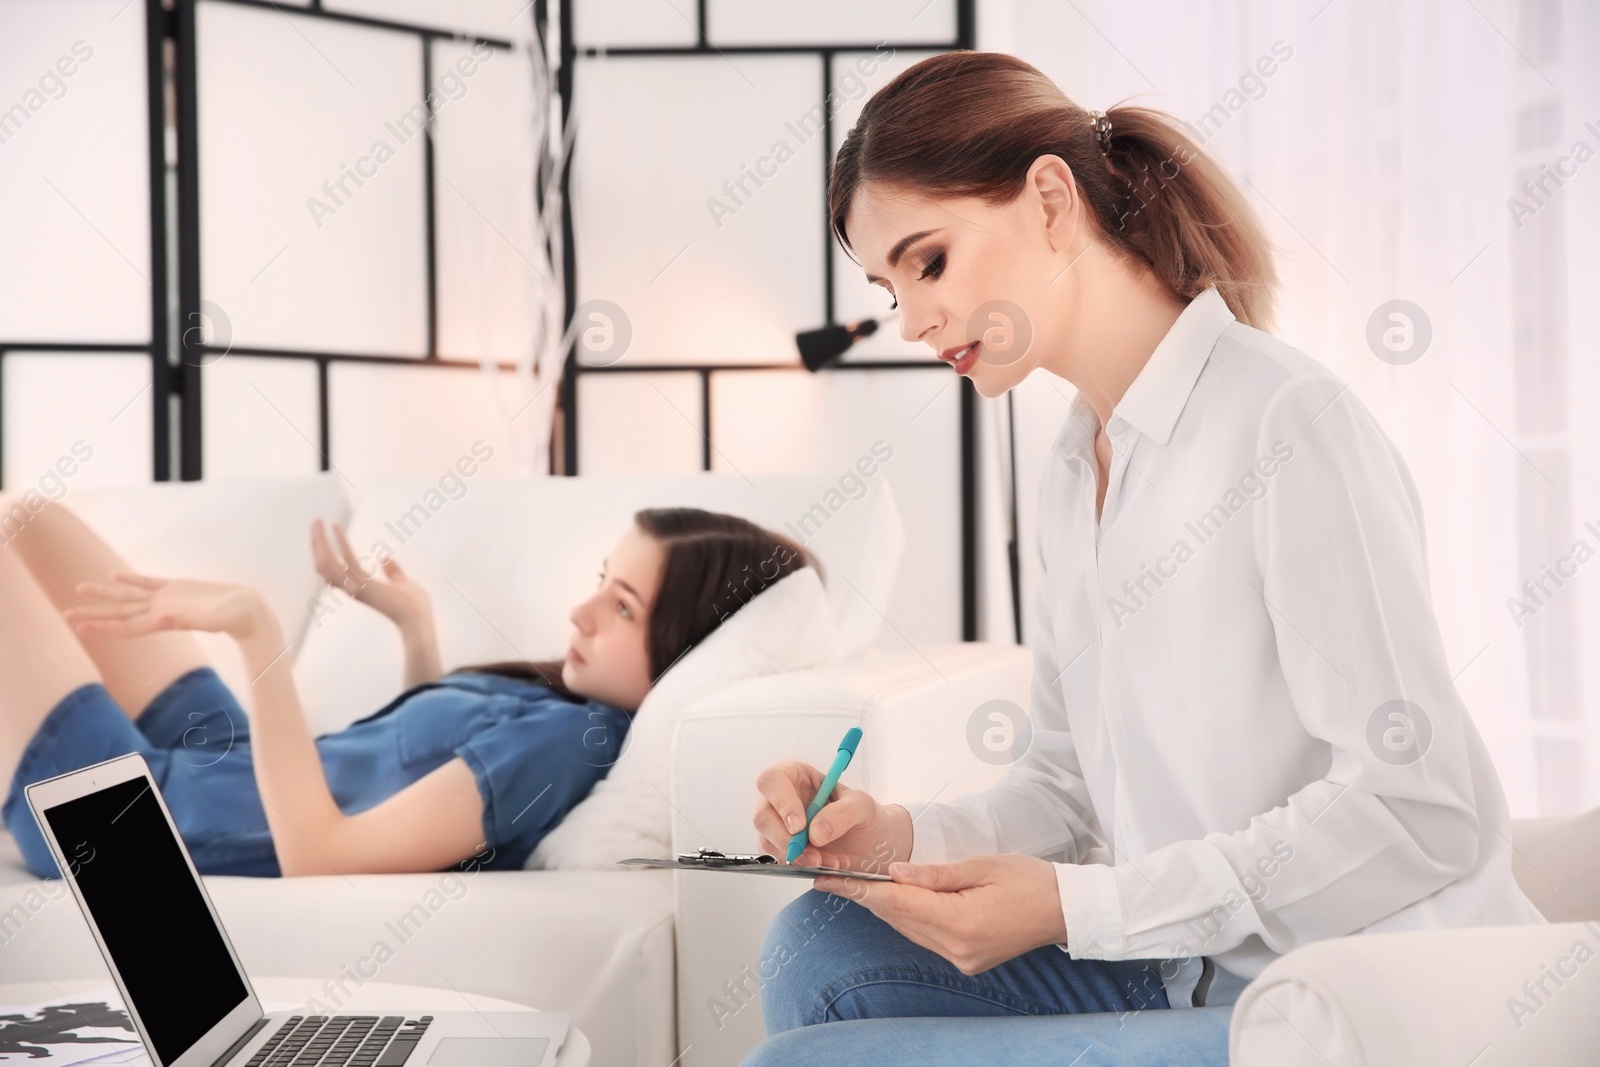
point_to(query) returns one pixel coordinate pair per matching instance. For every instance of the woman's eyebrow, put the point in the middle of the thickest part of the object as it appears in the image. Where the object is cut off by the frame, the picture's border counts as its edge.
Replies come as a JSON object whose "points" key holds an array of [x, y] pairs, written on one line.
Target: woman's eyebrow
{"points": [[899, 250], [604, 565]]}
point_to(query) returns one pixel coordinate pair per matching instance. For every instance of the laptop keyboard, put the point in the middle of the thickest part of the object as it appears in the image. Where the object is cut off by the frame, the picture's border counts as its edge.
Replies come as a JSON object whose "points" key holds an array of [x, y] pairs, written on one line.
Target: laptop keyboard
{"points": [[341, 1041]]}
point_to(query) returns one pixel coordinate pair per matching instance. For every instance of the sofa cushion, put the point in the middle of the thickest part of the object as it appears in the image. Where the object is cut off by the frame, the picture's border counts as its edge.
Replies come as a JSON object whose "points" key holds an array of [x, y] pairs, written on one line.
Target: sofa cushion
{"points": [[255, 530], [504, 561], [1557, 864], [1486, 996]]}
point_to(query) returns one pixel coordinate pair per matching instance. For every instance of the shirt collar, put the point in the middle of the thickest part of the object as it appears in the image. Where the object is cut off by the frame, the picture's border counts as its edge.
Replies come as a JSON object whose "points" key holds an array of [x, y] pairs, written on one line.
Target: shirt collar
{"points": [[1157, 396]]}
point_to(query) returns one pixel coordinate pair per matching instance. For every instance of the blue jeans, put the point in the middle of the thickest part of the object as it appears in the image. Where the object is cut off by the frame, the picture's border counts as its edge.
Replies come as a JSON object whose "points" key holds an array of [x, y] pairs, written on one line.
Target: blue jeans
{"points": [[889, 1000], [195, 737]]}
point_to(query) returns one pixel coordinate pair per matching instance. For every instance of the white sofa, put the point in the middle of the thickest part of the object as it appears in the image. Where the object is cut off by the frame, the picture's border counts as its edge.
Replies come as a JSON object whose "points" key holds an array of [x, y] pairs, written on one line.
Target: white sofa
{"points": [[661, 967], [600, 944]]}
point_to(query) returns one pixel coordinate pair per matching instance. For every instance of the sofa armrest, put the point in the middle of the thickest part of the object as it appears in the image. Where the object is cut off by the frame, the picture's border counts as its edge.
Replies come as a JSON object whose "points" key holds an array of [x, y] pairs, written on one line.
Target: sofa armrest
{"points": [[1427, 998], [913, 708]]}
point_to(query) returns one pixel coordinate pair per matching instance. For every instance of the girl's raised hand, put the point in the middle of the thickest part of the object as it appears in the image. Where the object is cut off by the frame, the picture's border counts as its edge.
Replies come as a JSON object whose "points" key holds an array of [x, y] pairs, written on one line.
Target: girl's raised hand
{"points": [[132, 605], [398, 597]]}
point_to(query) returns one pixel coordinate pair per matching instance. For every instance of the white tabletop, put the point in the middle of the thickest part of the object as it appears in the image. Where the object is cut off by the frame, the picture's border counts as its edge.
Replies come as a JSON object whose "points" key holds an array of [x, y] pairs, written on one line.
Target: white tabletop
{"points": [[368, 996]]}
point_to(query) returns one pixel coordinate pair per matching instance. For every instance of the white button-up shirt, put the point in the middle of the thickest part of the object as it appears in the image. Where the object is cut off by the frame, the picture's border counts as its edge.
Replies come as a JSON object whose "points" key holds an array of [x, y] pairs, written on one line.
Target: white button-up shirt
{"points": [[1244, 734]]}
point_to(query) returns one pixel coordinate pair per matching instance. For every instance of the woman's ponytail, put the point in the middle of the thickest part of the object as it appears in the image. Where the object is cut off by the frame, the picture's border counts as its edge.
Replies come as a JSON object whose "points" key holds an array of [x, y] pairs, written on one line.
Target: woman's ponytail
{"points": [[1180, 214]]}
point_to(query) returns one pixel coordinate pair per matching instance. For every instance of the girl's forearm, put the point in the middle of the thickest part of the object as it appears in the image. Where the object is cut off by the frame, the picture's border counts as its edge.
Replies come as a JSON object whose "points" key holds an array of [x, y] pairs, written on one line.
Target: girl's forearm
{"points": [[422, 651], [301, 812]]}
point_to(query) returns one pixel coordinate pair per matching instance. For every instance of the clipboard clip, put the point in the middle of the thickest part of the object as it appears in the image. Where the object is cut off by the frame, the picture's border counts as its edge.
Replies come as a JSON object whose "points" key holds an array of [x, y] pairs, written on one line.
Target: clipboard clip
{"points": [[710, 857]]}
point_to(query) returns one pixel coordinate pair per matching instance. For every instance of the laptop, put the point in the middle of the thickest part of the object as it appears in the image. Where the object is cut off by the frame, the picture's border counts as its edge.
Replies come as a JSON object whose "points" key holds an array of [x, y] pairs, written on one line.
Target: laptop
{"points": [[117, 847]]}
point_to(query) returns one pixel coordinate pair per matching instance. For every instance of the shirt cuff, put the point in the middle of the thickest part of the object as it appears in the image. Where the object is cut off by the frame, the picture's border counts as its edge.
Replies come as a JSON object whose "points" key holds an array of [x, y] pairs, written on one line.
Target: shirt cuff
{"points": [[1092, 910], [928, 844]]}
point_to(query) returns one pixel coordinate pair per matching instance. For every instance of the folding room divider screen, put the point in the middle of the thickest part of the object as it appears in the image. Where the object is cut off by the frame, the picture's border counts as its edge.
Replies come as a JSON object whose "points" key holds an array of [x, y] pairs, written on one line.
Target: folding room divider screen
{"points": [[84, 374], [356, 190], [350, 188], [704, 136]]}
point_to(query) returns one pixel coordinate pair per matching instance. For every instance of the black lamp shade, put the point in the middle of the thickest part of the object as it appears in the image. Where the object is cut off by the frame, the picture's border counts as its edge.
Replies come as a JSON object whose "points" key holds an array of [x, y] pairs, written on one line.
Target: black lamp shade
{"points": [[821, 347]]}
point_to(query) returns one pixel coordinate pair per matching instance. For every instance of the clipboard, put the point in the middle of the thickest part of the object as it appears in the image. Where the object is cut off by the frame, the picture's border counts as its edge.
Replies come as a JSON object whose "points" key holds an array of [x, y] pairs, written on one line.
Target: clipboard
{"points": [[708, 859]]}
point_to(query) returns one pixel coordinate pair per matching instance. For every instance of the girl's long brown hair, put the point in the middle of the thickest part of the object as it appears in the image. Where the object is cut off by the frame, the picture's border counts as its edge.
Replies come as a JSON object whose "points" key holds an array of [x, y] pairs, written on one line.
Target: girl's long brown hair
{"points": [[971, 124], [713, 564]]}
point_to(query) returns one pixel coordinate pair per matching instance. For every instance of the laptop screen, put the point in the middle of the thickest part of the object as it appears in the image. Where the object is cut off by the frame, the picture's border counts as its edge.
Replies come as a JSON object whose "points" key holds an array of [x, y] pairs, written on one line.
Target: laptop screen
{"points": [[131, 869]]}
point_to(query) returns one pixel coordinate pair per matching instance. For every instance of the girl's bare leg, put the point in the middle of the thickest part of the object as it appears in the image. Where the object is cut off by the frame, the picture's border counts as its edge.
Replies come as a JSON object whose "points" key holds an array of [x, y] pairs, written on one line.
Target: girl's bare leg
{"points": [[60, 550], [41, 660]]}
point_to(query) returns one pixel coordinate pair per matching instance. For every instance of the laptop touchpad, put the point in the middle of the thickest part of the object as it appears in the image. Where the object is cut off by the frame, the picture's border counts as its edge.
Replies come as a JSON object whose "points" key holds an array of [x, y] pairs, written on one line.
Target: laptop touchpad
{"points": [[489, 1052]]}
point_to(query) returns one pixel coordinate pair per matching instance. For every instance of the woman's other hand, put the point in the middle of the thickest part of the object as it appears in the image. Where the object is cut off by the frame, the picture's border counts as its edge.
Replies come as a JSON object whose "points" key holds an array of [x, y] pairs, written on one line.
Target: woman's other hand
{"points": [[131, 605], [977, 913], [852, 831], [399, 598]]}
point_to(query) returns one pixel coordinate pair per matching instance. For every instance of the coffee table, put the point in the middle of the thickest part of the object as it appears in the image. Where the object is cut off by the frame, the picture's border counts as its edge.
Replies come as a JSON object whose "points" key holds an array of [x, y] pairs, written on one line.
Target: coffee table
{"points": [[284, 992]]}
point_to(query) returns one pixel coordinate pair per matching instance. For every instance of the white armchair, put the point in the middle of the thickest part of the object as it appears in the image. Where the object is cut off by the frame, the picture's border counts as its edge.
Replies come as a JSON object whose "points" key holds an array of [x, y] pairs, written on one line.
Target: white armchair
{"points": [[1446, 998], [599, 944]]}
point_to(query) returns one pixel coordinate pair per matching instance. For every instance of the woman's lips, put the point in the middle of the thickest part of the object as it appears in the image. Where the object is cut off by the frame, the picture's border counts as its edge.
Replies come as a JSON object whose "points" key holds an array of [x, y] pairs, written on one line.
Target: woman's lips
{"points": [[962, 358]]}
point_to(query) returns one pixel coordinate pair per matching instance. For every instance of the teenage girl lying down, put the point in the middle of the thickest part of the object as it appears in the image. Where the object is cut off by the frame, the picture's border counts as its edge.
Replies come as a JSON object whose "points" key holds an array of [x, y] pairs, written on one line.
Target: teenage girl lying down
{"points": [[480, 763]]}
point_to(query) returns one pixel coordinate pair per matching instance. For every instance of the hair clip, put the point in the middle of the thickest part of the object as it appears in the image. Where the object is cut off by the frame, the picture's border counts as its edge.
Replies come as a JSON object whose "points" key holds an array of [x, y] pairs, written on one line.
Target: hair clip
{"points": [[1101, 122]]}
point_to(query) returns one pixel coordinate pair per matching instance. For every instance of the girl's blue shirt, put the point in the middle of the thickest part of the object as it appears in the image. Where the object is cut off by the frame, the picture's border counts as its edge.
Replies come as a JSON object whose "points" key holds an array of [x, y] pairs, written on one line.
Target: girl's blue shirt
{"points": [[534, 753]]}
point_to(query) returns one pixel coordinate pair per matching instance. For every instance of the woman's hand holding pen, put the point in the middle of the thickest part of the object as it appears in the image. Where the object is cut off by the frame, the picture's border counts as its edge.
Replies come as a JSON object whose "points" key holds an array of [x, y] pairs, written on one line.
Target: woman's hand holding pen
{"points": [[976, 913], [852, 831]]}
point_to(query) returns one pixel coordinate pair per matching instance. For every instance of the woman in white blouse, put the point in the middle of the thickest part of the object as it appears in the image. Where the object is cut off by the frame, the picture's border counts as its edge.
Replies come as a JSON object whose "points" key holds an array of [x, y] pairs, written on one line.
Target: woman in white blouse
{"points": [[1243, 733]]}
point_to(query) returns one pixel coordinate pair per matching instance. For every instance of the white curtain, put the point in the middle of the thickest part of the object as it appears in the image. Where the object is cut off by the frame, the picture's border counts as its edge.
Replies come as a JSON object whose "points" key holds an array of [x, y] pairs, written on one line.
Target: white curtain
{"points": [[1386, 152]]}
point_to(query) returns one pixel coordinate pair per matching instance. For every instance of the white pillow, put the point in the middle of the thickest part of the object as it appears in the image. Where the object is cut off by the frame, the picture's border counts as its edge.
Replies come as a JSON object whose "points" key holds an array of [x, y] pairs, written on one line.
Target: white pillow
{"points": [[789, 626]]}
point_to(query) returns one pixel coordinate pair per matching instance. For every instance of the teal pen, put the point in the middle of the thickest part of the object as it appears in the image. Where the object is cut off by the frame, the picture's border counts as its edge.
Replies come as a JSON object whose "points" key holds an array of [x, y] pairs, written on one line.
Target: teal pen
{"points": [[847, 748]]}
